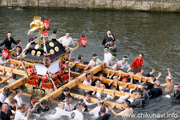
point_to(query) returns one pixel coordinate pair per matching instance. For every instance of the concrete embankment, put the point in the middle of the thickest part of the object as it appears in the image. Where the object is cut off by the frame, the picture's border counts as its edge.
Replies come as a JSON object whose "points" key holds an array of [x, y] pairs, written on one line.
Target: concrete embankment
{"points": [[139, 5]]}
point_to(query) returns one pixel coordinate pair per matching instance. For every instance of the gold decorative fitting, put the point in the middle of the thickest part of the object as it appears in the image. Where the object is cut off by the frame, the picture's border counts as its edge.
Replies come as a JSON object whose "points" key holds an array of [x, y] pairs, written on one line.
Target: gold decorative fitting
{"points": [[33, 52], [57, 49], [52, 52], [51, 44], [36, 46], [38, 53]]}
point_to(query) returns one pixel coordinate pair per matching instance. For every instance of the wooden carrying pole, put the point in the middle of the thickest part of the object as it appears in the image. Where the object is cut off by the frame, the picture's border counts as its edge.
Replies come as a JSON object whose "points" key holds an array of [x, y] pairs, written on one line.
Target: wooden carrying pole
{"points": [[19, 72], [27, 64], [16, 84], [105, 91], [94, 100]]}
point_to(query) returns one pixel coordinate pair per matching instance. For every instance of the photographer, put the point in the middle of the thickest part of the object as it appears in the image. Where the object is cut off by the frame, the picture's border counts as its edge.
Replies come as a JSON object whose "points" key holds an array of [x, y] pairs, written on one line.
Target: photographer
{"points": [[109, 36]]}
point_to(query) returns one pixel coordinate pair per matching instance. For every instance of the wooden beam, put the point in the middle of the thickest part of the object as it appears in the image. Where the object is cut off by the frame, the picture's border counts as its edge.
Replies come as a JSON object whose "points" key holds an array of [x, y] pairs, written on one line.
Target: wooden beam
{"points": [[81, 66], [107, 81], [27, 64], [105, 91], [15, 84], [75, 74], [135, 77], [16, 71], [94, 100]]}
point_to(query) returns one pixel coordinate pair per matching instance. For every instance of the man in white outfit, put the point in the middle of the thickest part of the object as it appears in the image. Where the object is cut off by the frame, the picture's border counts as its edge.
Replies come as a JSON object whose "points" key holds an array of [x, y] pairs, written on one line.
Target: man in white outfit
{"points": [[76, 114], [107, 55], [66, 40], [59, 111]]}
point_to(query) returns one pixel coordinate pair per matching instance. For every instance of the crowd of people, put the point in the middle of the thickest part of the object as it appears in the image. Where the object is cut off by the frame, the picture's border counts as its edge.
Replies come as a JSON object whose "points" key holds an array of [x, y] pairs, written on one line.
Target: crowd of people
{"points": [[13, 107]]}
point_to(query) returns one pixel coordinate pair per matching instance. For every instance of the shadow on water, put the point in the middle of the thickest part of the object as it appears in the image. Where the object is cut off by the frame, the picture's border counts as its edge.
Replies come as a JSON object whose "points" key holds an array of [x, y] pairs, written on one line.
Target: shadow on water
{"points": [[157, 35]]}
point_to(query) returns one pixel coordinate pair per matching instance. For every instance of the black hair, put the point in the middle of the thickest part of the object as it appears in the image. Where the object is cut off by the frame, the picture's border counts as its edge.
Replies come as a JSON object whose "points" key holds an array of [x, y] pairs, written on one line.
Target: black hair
{"points": [[88, 74], [81, 100], [6, 89], [87, 93], [18, 47], [106, 47], [98, 80], [17, 91], [22, 106], [94, 55], [79, 57], [141, 54], [44, 102], [18, 41], [128, 103], [13, 101], [66, 89], [54, 31], [125, 56], [33, 96], [9, 93], [14, 76], [9, 31], [114, 55], [108, 30], [103, 109], [113, 86]]}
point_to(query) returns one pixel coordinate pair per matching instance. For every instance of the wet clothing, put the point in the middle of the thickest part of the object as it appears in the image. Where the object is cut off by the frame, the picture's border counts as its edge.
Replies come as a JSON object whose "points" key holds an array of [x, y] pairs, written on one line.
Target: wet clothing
{"points": [[62, 97], [137, 63], [76, 115], [107, 39], [96, 112], [114, 47], [57, 113], [177, 95], [8, 43], [4, 116], [152, 93], [138, 103], [104, 117], [19, 116], [39, 109]]}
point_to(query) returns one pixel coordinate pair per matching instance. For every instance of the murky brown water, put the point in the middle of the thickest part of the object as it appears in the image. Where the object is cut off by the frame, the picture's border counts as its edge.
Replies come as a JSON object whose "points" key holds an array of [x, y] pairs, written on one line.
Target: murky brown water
{"points": [[157, 35]]}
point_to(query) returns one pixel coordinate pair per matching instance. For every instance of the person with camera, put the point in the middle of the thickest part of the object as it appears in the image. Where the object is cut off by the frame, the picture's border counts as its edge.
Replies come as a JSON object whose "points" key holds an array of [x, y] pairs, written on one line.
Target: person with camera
{"points": [[109, 36]]}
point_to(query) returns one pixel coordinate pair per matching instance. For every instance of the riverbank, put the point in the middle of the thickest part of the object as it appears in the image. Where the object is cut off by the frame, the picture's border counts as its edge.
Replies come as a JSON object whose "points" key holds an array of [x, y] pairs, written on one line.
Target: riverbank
{"points": [[133, 5]]}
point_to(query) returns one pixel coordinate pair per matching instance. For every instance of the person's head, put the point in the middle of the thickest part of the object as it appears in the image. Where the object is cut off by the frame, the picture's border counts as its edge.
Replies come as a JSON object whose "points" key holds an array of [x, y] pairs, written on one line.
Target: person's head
{"points": [[125, 78], [14, 76], [103, 110], [5, 107], [111, 42], [66, 90], [157, 83], [138, 94], [44, 103], [141, 55], [106, 49], [168, 79], [113, 57], [94, 57], [88, 76], [68, 99], [9, 35], [98, 83], [54, 31], [5, 90], [145, 87], [67, 35], [102, 86], [18, 42], [79, 107], [13, 102], [176, 88], [125, 59], [22, 108], [100, 102], [87, 96], [10, 95], [127, 104], [113, 87], [61, 105], [19, 92], [18, 49], [80, 58], [82, 102], [115, 78], [108, 31], [33, 98]]}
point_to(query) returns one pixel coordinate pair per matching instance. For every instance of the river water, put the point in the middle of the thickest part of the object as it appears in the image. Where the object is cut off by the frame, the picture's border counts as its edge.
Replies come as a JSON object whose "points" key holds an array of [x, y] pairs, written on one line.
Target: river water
{"points": [[157, 35]]}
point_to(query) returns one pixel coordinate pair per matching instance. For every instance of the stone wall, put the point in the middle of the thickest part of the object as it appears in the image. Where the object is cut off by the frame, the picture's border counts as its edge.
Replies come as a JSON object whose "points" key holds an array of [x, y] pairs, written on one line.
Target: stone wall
{"points": [[144, 5]]}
